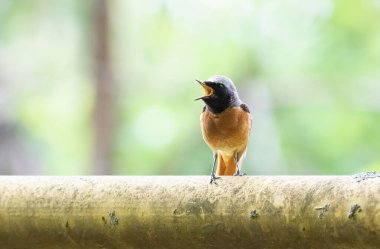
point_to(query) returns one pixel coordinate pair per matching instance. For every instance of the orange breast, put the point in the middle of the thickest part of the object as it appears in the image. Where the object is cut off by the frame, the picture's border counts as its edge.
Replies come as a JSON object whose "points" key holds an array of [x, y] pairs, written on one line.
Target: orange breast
{"points": [[228, 131]]}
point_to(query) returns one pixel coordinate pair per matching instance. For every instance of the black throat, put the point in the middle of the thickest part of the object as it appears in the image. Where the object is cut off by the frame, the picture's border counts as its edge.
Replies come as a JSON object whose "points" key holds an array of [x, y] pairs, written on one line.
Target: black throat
{"points": [[217, 105]]}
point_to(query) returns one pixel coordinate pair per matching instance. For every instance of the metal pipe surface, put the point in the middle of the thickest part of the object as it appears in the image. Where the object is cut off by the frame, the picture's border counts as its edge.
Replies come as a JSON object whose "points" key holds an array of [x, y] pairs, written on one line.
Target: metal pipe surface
{"points": [[188, 212]]}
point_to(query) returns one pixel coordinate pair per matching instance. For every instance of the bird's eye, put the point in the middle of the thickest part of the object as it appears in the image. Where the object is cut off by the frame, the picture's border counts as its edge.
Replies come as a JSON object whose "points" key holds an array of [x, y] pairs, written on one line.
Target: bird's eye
{"points": [[221, 85]]}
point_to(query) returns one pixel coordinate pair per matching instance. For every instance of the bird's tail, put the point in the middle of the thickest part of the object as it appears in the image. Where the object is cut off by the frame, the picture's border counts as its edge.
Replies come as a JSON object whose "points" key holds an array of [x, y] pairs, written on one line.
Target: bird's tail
{"points": [[226, 165]]}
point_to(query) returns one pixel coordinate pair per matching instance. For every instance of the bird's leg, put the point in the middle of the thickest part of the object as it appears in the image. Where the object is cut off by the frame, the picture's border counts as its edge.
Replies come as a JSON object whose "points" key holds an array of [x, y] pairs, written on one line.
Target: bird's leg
{"points": [[213, 177], [238, 171]]}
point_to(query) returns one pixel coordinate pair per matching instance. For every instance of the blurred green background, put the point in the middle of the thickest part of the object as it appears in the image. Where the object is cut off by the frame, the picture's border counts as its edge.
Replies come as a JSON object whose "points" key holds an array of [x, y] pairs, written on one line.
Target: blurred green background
{"points": [[107, 87]]}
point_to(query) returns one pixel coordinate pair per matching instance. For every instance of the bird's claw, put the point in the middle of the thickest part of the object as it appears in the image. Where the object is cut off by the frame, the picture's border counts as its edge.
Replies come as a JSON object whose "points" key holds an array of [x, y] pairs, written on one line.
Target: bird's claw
{"points": [[239, 173], [213, 179]]}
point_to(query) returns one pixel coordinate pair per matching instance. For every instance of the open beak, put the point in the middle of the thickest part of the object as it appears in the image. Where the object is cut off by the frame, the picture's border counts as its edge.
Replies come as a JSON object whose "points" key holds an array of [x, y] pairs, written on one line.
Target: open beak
{"points": [[208, 90]]}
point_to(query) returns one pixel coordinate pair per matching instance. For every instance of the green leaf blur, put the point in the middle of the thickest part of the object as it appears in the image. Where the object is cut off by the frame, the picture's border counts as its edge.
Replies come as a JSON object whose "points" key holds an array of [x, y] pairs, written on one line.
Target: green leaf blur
{"points": [[309, 70]]}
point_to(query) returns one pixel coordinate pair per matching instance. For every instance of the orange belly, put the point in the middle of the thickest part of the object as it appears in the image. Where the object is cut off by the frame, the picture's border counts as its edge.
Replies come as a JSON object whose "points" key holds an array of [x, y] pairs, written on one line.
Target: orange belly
{"points": [[227, 135], [227, 132]]}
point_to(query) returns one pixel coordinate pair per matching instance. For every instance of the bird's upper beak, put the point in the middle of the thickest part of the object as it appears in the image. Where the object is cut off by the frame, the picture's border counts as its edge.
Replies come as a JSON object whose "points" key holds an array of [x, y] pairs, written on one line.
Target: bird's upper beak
{"points": [[208, 90]]}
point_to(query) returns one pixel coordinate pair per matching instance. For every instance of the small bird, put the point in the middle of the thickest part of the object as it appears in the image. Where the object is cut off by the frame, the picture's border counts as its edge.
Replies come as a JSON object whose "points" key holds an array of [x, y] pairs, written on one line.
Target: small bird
{"points": [[226, 124]]}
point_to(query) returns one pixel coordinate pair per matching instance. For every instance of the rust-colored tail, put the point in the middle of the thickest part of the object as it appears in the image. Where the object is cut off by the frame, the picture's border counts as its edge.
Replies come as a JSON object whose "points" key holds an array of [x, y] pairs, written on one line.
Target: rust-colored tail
{"points": [[226, 165]]}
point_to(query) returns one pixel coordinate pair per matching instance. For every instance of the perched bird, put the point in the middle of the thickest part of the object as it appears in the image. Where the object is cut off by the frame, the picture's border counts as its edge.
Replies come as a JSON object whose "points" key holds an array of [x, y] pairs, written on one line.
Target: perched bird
{"points": [[226, 125]]}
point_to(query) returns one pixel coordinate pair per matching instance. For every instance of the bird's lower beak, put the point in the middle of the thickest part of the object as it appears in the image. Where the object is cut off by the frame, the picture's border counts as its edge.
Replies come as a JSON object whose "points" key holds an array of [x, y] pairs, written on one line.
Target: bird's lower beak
{"points": [[208, 90]]}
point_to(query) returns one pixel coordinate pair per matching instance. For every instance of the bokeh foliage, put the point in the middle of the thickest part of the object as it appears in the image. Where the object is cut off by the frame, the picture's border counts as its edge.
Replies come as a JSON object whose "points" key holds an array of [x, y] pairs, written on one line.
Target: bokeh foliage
{"points": [[309, 71]]}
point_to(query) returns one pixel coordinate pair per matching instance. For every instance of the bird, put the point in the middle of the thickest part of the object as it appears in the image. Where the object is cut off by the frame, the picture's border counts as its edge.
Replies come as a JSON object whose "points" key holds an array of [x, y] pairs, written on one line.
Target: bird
{"points": [[225, 124]]}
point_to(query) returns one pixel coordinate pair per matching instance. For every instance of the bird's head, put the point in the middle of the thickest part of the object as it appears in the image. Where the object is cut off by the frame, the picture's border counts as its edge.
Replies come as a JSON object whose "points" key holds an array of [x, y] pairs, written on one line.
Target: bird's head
{"points": [[220, 93]]}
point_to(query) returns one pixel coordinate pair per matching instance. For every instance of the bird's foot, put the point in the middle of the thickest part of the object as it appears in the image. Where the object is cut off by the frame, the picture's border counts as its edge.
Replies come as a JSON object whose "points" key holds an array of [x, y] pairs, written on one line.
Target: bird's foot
{"points": [[239, 173], [213, 179]]}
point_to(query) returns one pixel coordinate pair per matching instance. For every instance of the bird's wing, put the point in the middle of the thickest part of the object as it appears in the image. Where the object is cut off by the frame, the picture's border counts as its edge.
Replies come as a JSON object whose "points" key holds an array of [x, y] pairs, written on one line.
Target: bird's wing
{"points": [[246, 109]]}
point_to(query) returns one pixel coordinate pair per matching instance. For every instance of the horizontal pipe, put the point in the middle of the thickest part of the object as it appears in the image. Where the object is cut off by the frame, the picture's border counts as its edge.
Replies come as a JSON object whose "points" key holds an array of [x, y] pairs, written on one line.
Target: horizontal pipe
{"points": [[188, 212]]}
